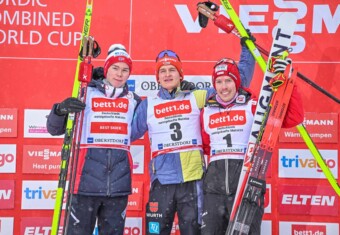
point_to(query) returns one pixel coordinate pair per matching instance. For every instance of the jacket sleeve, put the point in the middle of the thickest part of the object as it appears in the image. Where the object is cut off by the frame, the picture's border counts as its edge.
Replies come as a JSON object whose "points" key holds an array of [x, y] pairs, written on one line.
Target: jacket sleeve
{"points": [[246, 66], [139, 122], [295, 112], [56, 124], [205, 136]]}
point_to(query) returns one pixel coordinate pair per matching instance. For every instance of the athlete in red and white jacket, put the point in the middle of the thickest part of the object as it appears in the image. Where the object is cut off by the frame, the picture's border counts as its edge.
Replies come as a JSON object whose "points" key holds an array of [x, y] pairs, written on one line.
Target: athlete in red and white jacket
{"points": [[226, 123]]}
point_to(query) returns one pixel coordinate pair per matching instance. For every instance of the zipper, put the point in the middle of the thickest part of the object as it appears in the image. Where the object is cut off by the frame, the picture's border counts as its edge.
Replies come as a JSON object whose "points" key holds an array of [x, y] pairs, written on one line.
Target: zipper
{"points": [[108, 155], [226, 165]]}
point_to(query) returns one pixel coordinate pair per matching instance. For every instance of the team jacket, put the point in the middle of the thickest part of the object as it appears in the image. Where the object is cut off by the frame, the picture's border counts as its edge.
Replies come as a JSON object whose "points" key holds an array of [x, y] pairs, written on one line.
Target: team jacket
{"points": [[104, 165], [225, 134], [173, 122]]}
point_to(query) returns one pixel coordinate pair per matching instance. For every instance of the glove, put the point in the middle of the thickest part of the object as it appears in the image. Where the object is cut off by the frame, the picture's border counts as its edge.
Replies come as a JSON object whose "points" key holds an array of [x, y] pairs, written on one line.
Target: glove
{"points": [[282, 68], [250, 37], [69, 105], [98, 73], [279, 65], [277, 80], [187, 86]]}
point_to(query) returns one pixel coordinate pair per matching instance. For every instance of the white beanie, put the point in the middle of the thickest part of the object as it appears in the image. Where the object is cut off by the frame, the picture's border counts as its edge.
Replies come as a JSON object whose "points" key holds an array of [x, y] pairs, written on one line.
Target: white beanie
{"points": [[117, 53]]}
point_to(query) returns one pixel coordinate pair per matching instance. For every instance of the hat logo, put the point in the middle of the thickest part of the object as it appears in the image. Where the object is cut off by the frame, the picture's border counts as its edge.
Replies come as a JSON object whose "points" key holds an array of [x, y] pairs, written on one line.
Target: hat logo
{"points": [[120, 53], [222, 67], [166, 59]]}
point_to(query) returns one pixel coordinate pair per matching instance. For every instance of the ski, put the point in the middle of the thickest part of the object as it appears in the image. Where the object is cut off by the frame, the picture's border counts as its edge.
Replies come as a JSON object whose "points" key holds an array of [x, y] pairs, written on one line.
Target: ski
{"points": [[67, 142]]}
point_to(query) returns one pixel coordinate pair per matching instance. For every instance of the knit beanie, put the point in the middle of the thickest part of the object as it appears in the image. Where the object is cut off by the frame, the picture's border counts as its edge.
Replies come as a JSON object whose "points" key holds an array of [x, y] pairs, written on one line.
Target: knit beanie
{"points": [[226, 67], [169, 60], [117, 53]]}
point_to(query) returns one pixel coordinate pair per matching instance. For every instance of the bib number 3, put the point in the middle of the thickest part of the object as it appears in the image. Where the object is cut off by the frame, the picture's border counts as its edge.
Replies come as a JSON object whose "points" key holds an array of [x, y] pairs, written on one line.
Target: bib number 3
{"points": [[177, 135]]}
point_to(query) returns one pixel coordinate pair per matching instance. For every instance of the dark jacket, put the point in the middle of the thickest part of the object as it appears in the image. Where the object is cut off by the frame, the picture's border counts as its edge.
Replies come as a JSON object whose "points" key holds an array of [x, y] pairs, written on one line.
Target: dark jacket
{"points": [[100, 171]]}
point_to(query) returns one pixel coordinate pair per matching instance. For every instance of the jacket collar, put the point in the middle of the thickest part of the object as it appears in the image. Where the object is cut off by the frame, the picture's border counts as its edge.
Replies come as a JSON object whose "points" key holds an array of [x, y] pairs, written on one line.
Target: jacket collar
{"points": [[244, 95], [99, 84]]}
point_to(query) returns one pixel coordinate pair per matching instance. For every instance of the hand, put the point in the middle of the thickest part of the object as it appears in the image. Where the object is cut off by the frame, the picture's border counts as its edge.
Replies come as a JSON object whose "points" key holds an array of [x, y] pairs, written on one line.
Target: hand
{"points": [[98, 73], [279, 65], [70, 105], [187, 86], [250, 37], [282, 67]]}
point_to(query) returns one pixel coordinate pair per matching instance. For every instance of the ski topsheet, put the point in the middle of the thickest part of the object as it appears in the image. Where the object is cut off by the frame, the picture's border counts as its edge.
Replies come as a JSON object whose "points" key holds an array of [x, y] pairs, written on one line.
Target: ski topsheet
{"points": [[239, 223], [67, 143]]}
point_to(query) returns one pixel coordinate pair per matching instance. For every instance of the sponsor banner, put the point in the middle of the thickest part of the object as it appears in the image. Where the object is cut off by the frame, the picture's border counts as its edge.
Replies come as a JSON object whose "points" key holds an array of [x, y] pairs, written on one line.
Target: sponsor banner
{"points": [[42, 226], [307, 200], [133, 226], [146, 85], [268, 199], [7, 194], [322, 128], [137, 152], [308, 228], [22, 27], [38, 226], [35, 124], [135, 202], [266, 227], [8, 156], [6, 226], [300, 163], [41, 159], [40, 26], [8, 122], [39, 195]]}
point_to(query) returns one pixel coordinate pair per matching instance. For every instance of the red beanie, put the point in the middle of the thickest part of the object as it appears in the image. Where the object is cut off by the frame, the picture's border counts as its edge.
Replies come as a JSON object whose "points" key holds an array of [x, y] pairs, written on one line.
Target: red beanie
{"points": [[169, 60], [229, 68], [117, 53]]}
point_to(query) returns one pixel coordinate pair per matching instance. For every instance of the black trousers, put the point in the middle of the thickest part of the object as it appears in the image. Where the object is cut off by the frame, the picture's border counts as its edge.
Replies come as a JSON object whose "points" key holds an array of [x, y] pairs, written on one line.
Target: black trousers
{"points": [[166, 200], [85, 210], [216, 213]]}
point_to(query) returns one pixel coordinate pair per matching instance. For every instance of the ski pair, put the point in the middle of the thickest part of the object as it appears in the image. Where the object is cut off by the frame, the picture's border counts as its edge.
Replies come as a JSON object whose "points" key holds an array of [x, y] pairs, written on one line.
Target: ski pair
{"points": [[251, 184], [82, 75], [255, 186]]}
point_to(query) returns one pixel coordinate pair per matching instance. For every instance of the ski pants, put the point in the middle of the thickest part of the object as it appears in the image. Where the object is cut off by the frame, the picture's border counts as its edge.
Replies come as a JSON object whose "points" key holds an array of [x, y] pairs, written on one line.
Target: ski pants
{"points": [[216, 213], [85, 210], [166, 200]]}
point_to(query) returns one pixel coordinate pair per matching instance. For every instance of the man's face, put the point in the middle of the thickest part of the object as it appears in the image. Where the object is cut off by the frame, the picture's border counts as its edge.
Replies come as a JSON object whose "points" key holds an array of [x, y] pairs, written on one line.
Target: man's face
{"points": [[169, 77], [117, 74], [225, 88]]}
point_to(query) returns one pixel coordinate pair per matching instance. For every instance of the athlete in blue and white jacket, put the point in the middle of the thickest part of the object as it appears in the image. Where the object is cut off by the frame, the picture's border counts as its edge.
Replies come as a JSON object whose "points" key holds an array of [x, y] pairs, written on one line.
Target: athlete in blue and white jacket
{"points": [[172, 120]]}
